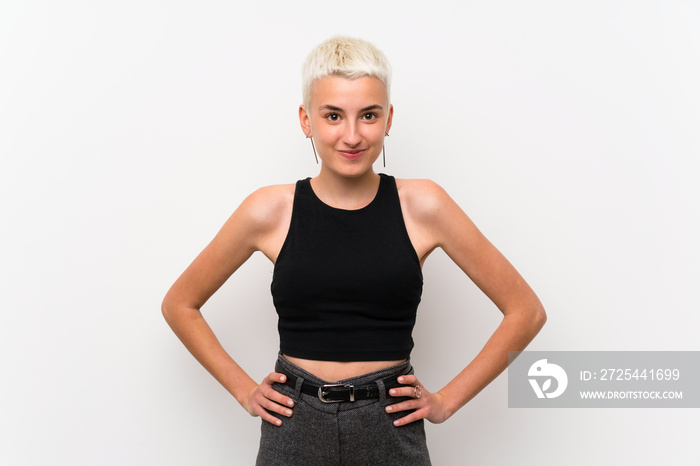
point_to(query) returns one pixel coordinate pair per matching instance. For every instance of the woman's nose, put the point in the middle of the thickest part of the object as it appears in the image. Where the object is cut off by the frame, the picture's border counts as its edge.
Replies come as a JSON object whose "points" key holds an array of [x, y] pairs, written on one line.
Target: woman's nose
{"points": [[352, 136]]}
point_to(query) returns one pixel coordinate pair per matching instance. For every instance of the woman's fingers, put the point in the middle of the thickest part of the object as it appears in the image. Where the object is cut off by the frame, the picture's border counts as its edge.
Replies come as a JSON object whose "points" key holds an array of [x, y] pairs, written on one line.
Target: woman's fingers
{"points": [[266, 416], [273, 394], [412, 392], [418, 399], [414, 416], [266, 401], [411, 389], [421, 403]]}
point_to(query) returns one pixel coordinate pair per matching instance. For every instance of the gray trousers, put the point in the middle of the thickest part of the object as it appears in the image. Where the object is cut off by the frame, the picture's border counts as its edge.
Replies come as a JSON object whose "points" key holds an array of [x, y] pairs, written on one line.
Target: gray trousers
{"points": [[347, 433]]}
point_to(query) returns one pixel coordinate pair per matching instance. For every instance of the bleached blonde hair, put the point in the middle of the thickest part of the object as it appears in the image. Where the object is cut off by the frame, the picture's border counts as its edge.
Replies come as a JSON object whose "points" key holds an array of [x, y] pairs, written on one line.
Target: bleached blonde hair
{"points": [[347, 57]]}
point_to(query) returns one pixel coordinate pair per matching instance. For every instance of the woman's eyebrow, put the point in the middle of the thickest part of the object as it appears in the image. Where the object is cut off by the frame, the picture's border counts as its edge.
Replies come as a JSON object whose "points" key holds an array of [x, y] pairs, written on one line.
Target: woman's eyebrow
{"points": [[338, 109], [372, 107], [330, 107]]}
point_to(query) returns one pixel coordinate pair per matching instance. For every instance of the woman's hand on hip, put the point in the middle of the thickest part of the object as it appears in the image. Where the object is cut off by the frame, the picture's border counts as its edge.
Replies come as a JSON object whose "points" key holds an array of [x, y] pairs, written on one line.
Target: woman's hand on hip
{"points": [[264, 400], [425, 405]]}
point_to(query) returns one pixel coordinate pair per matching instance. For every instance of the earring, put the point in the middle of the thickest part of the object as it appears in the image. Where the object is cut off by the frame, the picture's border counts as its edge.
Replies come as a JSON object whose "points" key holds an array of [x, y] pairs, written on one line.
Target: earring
{"points": [[308, 136], [384, 151]]}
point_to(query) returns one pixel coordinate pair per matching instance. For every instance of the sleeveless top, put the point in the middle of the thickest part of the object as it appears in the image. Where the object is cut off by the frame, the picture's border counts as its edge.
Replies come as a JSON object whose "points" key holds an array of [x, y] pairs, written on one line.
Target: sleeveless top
{"points": [[347, 283]]}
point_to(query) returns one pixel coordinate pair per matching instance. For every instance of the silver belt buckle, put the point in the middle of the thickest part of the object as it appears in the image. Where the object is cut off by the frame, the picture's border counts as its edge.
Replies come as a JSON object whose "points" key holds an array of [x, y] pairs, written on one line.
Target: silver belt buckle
{"points": [[322, 394]]}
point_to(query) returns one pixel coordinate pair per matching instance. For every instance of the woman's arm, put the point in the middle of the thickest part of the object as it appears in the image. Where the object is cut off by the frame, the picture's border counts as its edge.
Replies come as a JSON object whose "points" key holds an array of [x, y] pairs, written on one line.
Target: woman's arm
{"points": [[435, 220], [260, 223]]}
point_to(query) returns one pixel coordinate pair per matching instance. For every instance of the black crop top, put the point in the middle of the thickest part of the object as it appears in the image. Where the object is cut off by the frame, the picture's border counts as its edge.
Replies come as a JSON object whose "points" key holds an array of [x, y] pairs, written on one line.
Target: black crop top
{"points": [[347, 283]]}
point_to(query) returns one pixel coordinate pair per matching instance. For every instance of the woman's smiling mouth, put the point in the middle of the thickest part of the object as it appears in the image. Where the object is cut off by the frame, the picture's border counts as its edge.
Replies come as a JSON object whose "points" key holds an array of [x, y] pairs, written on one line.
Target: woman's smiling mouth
{"points": [[352, 154]]}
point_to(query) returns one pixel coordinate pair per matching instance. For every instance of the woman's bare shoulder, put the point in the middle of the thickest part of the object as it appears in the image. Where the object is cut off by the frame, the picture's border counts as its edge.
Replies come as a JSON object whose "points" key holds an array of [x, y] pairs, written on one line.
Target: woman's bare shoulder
{"points": [[423, 198], [272, 195], [269, 205], [422, 185]]}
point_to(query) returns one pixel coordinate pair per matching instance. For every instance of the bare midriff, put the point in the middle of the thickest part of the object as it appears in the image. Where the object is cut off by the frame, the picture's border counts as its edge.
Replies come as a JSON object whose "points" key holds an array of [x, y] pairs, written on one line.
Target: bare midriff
{"points": [[333, 371]]}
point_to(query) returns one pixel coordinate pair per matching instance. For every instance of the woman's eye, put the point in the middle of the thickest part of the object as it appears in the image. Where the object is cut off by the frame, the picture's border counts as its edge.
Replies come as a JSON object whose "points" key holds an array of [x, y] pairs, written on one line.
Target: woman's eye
{"points": [[370, 116], [333, 116]]}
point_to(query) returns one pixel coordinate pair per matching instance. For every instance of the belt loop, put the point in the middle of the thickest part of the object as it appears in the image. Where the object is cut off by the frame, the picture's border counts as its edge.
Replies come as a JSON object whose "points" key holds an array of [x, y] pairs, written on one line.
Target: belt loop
{"points": [[382, 393], [297, 387]]}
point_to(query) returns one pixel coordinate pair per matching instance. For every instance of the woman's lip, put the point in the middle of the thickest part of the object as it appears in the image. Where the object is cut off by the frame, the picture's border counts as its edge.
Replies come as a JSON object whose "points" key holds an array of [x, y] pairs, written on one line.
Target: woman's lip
{"points": [[352, 154]]}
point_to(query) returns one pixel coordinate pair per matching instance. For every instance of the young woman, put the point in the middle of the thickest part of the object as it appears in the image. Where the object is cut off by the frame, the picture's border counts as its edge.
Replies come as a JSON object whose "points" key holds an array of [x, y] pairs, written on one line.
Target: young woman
{"points": [[348, 247]]}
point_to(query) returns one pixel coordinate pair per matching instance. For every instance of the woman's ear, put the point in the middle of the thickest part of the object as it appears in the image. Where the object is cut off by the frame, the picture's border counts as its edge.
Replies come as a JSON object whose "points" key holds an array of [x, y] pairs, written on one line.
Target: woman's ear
{"points": [[305, 121], [390, 118]]}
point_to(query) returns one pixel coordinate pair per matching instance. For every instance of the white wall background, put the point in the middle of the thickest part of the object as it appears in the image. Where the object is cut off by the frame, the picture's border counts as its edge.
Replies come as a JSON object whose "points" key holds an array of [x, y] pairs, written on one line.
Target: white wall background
{"points": [[129, 131]]}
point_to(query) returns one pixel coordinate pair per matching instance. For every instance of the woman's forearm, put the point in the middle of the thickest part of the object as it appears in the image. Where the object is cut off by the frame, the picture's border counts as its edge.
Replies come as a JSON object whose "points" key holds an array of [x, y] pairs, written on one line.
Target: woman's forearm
{"points": [[515, 332], [192, 329]]}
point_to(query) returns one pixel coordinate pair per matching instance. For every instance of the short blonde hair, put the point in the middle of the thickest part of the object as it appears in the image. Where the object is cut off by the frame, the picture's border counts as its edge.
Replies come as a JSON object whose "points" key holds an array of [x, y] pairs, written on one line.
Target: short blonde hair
{"points": [[346, 57]]}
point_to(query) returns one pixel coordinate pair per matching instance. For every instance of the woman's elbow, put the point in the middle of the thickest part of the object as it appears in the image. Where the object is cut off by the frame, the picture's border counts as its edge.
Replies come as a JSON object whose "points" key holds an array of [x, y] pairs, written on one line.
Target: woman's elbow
{"points": [[538, 317], [164, 309], [167, 309]]}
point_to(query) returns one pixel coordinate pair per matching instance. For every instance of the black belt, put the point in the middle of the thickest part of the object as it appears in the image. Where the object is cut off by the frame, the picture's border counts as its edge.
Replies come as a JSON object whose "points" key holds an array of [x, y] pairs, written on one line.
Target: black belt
{"points": [[337, 392]]}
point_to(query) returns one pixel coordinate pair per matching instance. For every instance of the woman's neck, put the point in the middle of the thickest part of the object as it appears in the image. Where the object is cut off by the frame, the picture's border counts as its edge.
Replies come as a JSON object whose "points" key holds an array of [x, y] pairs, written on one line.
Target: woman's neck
{"points": [[348, 193]]}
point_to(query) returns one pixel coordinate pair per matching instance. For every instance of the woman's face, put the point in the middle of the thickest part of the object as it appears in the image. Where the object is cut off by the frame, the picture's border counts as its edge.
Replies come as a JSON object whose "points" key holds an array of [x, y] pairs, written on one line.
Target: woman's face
{"points": [[347, 119]]}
